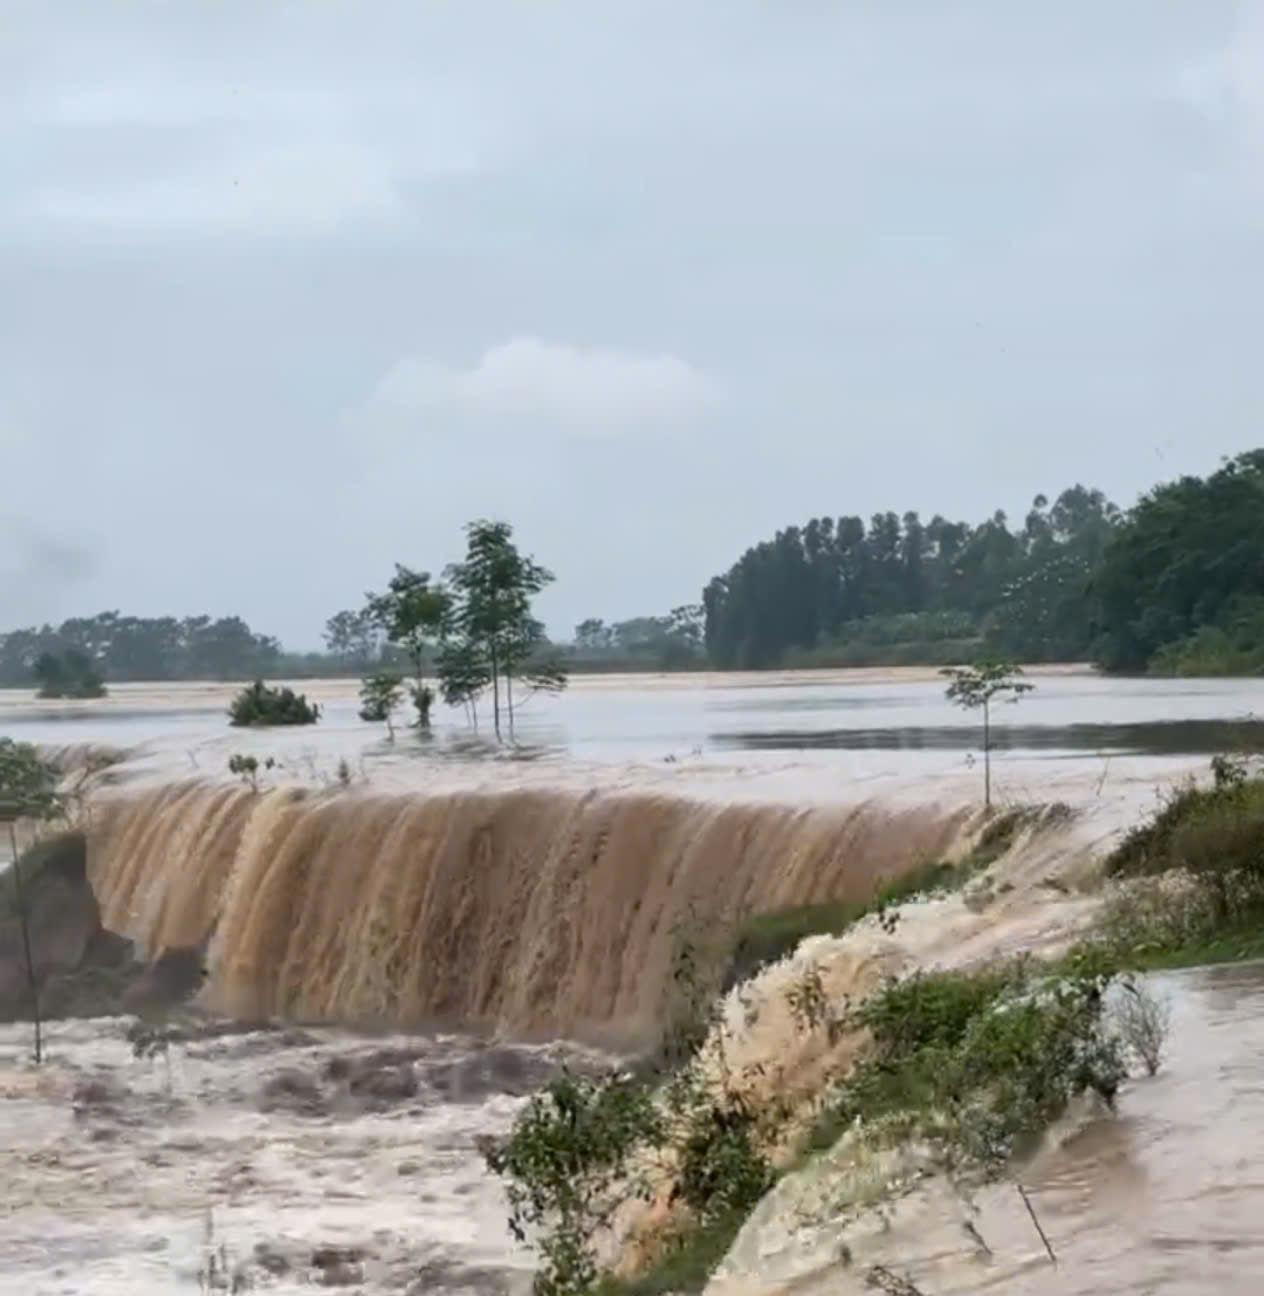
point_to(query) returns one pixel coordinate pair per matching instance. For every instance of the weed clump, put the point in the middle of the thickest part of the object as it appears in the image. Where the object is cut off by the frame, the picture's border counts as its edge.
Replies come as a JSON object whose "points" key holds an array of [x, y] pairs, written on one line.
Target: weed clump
{"points": [[259, 705]]}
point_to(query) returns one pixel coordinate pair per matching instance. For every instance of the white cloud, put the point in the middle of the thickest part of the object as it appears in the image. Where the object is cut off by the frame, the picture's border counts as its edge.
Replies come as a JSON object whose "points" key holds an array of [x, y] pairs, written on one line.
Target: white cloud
{"points": [[592, 390]]}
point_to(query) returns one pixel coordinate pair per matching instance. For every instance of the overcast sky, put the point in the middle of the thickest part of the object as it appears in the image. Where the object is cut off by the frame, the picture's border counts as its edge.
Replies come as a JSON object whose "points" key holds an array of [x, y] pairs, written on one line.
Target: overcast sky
{"points": [[291, 291]]}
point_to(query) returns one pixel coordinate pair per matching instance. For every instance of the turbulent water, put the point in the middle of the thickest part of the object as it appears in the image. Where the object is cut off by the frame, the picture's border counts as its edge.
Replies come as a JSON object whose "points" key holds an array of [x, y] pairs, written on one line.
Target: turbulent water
{"points": [[284, 1159], [536, 893], [534, 911]]}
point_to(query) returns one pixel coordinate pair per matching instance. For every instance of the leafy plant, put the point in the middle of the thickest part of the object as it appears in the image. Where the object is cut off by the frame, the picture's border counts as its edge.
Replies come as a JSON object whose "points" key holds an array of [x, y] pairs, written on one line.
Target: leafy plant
{"points": [[977, 687], [562, 1161], [260, 705], [28, 790], [414, 614], [247, 768], [70, 675], [493, 588], [380, 695]]}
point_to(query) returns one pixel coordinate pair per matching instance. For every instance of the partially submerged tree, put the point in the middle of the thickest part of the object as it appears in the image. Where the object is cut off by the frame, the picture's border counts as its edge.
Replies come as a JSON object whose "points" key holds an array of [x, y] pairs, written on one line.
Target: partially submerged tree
{"points": [[259, 705], [247, 767], [28, 790], [491, 616], [380, 694], [70, 675], [414, 615], [977, 686]]}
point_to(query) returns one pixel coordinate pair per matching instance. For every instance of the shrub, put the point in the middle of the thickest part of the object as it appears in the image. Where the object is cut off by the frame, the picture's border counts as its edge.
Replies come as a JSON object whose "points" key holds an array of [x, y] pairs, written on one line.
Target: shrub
{"points": [[561, 1161], [379, 696], [1142, 1020], [72, 675], [260, 705], [975, 1061]]}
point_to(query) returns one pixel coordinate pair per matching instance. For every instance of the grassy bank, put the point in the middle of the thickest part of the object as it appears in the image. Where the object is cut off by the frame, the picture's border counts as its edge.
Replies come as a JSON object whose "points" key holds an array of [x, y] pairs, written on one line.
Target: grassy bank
{"points": [[1188, 885]]}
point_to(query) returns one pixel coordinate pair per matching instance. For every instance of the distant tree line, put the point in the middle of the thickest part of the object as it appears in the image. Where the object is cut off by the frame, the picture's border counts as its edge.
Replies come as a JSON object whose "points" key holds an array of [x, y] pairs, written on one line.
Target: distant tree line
{"points": [[122, 648], [1174, 584], [672, 642]]}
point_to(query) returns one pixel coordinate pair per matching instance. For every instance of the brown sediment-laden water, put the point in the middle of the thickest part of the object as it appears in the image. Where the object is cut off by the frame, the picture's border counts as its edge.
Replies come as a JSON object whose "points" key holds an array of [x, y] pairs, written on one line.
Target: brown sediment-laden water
{"points": [[490, 901]]}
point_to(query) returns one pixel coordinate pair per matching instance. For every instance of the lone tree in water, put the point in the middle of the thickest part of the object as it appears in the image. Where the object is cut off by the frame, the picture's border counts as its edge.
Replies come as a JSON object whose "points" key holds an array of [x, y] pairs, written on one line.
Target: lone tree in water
{"points": [[495, 631], [380, 694], [414, 615], [28, 790], [976, 686]]}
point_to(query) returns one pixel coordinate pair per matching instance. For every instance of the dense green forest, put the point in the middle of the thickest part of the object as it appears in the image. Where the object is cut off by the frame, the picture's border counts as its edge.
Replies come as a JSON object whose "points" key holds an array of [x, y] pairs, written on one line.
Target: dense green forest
{"points": [[1176, 584]]}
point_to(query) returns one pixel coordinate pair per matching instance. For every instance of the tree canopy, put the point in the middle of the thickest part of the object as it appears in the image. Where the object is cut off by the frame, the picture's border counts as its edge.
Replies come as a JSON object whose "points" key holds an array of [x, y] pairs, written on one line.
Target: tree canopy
{"points": [[832, 580]]}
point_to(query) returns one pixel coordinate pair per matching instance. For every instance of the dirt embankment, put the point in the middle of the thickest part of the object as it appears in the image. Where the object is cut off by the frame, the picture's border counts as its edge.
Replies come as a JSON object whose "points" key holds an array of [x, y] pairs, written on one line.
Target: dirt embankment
{"points": [[82, 968]]}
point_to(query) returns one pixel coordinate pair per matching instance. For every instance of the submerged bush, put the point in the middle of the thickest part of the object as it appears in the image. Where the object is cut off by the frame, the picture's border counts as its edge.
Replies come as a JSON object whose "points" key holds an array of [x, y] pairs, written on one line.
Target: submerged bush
{"points": [[72, 675], [260, 705]]}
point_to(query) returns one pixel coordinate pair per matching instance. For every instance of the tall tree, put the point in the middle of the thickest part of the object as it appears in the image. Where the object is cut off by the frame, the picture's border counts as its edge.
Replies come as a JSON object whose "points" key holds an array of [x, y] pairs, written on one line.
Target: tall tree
{"points": [[494, 587], [413, 614], [28, 790], [977, 687]]}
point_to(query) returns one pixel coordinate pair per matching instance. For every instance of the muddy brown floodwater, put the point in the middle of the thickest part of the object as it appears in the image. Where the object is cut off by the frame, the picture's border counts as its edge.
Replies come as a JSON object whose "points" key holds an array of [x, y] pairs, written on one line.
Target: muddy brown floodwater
{"points": [[298, 1159]]}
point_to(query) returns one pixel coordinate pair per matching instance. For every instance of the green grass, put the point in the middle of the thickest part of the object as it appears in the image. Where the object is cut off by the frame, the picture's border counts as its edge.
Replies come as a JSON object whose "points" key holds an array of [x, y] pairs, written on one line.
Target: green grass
{"points": [[687, 1263]]}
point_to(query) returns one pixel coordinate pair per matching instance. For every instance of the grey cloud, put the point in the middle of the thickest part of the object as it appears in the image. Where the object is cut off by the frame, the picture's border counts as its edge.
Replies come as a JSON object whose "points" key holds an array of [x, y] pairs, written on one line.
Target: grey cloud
{"points": [[276, 277]]}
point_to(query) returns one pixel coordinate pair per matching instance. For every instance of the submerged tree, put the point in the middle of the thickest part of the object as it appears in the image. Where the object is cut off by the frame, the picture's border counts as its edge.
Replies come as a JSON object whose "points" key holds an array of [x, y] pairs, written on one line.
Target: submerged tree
{"points": [[972, 687], [71, 675], [28, 790], [492, 622], [380, 694], [414, 614]]}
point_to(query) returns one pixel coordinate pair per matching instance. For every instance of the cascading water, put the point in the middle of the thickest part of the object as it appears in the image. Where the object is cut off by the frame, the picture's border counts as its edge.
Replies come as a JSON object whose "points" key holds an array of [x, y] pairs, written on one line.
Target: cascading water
{"points": [[533, 911]]}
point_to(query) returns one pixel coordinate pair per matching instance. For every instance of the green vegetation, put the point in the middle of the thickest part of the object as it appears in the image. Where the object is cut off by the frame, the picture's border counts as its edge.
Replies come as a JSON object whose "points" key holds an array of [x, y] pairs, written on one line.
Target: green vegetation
{"points": [[975, 688], [70, 675], [1173, 586], [975, 1062], [259, 705], [380, 695], [414, 615], [28, 791], [142, 648], [247, 768], [831, 588], [896, 639], [1233, 646], [648, 643], [494, 634], [1184, 566], [1190, 881]]}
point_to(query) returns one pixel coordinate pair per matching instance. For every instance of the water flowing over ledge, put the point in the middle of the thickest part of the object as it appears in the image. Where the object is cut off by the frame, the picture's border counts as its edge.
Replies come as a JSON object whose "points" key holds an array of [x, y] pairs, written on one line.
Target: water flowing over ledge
{"points": [[533, 911]]}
